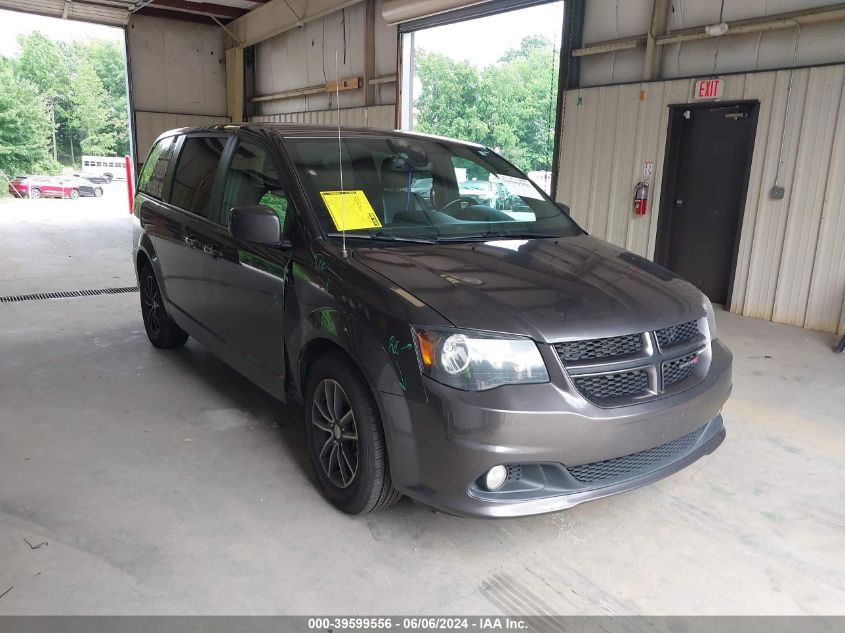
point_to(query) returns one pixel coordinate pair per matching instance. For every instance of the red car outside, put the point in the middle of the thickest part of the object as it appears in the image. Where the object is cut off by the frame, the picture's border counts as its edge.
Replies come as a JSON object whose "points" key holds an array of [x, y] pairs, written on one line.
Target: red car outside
{"points": [[52, 187], [19, 186]]}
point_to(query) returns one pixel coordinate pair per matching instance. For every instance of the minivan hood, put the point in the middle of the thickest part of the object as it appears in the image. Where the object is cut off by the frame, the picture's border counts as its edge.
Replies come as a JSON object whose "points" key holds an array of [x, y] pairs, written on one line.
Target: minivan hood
{"points": [[549, 289]]}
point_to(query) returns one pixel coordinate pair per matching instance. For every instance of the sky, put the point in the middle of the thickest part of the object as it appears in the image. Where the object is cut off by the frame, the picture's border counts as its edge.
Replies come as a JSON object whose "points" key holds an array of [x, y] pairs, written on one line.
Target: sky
{"points": [[13, 23], [483, 41]]}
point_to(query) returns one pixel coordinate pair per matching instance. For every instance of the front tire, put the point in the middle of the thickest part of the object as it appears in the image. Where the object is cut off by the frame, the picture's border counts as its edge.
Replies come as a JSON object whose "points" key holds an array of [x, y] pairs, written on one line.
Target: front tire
{"points": [[345, 437], [35, 193], [74, 194], [161, 329], [98, 191], [108, 178]]}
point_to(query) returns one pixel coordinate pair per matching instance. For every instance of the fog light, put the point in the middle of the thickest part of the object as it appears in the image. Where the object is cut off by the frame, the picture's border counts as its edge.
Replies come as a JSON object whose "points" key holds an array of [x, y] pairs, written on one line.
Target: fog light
{"points": [[495, 477]]}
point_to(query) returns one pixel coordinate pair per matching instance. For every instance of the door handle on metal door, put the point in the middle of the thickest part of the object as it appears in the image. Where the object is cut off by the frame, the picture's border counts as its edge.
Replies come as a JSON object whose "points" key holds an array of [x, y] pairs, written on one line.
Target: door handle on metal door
{"points": [[679, 202], [210, 250], [192, 241]]}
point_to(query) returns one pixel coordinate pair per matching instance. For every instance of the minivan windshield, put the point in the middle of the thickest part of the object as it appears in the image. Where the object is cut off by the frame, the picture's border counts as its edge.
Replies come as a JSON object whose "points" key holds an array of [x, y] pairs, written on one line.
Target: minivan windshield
{"points": [[428, 190]]}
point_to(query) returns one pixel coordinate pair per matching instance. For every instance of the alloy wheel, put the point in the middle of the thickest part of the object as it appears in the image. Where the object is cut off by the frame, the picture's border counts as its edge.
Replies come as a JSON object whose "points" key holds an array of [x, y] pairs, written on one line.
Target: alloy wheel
{"points": [[336, 436], [152, 304]]}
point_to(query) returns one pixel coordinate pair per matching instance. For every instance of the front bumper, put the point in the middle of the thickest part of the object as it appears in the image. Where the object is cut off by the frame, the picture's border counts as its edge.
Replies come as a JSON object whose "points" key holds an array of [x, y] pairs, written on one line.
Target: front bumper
{"points": [[439, 448]]}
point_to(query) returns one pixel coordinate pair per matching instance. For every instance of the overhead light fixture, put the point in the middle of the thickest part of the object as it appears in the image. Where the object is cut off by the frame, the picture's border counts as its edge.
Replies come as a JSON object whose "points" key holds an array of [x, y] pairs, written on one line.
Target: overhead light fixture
{"points": [[716, 30]]}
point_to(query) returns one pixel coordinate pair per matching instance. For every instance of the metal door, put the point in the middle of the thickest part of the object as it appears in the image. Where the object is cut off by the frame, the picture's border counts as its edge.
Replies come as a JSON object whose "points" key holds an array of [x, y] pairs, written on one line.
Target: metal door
{"points": [[707, 164]]}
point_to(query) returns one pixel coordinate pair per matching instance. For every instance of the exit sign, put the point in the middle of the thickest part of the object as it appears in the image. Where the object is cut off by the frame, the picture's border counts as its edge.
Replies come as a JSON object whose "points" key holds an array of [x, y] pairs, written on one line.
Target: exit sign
{"points": [[708, 89]]}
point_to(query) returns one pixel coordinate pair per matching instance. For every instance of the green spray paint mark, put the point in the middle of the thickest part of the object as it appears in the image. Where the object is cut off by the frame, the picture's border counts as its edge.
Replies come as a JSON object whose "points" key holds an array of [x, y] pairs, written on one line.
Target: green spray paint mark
{"points": [[580, 101], [394, 348], [402, 382]]}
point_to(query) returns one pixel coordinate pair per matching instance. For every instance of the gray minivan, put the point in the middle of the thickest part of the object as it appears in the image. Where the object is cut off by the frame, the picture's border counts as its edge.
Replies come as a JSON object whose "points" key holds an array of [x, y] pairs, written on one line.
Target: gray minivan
{"points": [[485, 361]]}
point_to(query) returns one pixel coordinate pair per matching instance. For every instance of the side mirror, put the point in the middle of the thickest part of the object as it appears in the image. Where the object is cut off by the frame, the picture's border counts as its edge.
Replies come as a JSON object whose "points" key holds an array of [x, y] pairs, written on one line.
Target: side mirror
{"points": [[255, 223], [564, 208]]}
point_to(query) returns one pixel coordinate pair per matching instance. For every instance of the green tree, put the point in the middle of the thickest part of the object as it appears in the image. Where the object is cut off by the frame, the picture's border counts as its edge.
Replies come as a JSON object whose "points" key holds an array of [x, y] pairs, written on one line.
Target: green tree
{"points": [[24, 125], [84, 84], [44, 63], [108, 60], [89, 111], [519, 103], [449, 102], [509, 105]]}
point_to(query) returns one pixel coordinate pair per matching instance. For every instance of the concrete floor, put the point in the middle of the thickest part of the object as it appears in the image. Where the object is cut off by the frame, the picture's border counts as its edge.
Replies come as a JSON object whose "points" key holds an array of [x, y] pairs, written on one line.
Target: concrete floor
{"points": [[164, 483]]}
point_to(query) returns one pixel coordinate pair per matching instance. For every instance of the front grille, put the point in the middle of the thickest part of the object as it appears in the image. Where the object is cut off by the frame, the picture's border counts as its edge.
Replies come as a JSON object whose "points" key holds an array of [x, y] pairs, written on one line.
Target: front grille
{"points": [[591, 349], [679, 369], [604, 386], [620, 370], [677, 334], [634, 464]]}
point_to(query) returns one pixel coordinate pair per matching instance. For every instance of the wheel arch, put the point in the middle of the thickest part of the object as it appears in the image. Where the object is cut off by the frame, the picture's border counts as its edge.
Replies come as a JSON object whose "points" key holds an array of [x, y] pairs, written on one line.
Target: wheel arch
{"points": [[145, 254], [317, 347]]}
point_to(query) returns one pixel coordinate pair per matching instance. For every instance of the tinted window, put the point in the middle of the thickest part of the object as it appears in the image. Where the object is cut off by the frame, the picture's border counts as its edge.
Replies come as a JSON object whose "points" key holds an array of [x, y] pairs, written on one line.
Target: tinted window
{"points": [[388, 184], [151, 180], [254, 179], [194, 178]]}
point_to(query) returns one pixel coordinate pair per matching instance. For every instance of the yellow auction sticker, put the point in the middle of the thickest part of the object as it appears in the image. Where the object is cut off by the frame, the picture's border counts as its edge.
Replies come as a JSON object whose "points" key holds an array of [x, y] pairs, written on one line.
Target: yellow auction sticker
{"points": [[351, 208]]}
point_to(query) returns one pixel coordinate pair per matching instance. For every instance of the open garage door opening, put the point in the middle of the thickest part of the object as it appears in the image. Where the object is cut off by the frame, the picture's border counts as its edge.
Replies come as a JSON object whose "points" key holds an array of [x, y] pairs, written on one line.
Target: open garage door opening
{"points": [[64, 136], [489, 77], [64, 116]]}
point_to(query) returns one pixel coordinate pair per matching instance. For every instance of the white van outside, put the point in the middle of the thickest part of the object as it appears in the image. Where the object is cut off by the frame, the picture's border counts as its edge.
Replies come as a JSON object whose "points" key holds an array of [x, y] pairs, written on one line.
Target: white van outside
{"points": [[112, 167]]}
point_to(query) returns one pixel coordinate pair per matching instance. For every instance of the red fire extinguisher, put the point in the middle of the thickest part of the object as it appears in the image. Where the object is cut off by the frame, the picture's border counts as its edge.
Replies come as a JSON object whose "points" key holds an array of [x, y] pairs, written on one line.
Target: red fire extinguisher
{"points": [[641, 198]]}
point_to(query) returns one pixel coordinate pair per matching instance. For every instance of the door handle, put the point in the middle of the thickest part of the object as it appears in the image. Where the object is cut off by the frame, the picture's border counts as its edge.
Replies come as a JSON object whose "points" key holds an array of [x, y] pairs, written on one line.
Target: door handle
{"points": [[679, 202], [210, 250], [192, 241]]}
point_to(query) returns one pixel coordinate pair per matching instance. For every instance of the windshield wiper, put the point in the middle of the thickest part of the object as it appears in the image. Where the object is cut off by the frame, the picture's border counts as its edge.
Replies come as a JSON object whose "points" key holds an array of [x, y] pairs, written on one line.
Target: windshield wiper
{"points": [[382, 236], [494, 235]]}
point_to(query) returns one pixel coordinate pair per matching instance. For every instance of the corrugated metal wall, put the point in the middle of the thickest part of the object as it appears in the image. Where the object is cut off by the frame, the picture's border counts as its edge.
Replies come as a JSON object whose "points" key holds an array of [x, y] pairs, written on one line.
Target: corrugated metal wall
{"points": [[306, 57], [608, 19], [375, 116], [177, 76], [791, 262]]}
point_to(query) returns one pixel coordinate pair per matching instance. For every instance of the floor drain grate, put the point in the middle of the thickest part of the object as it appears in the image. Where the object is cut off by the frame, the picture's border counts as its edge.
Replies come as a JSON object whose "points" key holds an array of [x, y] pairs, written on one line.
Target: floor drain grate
{"points": [[67, 294]]}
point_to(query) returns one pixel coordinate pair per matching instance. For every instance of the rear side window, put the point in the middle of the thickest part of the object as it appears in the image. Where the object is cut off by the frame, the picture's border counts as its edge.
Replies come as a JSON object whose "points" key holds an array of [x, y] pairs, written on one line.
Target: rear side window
{"points": [[151, 180], [194, 178]]}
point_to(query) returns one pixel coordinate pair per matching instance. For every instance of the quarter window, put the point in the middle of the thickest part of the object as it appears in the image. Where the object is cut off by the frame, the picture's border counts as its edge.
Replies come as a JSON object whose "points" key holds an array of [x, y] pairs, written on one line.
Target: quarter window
{"points": [[253, 179], [194, 178], [151, 180]]}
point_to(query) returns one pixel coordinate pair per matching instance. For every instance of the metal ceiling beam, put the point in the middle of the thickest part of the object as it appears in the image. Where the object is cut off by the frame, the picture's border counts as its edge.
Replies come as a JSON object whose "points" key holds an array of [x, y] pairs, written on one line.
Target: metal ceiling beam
{"points": [[610, 46], [653, 65], [277, 16], [819, 15], [207, 8]]}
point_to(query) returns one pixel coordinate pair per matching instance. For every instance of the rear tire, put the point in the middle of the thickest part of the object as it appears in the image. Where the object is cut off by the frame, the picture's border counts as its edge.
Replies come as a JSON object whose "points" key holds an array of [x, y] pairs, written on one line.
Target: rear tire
{"points": [[74, 194], [108, 178], [161, 329], [35, 193], [98, 191], [345, 438]]}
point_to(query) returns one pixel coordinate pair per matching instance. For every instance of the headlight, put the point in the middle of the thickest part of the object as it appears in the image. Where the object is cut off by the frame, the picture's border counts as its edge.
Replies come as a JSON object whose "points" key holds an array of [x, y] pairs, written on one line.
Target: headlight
{"points": [[475, 361], [711, 316]]}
